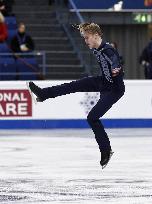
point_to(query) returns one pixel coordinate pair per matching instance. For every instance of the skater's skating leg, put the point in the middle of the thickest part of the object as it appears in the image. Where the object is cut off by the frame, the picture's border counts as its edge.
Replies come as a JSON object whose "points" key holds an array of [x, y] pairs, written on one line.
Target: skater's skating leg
{"points": [[93, 119], [103, 105]]}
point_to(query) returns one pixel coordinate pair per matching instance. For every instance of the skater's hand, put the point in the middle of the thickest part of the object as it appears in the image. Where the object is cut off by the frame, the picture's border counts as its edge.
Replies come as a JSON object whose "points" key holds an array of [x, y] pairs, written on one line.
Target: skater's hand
{"points": [[115, 71]]}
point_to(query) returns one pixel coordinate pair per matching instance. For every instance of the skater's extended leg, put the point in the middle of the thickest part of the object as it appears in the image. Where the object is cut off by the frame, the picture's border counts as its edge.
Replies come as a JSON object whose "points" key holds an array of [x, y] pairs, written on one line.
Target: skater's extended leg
{"points": [[87, 84]]}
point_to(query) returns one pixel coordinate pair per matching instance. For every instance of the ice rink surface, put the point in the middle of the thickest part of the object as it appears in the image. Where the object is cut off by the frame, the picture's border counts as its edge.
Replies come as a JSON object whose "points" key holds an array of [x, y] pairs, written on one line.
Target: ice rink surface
{"points": [[62, 166]]}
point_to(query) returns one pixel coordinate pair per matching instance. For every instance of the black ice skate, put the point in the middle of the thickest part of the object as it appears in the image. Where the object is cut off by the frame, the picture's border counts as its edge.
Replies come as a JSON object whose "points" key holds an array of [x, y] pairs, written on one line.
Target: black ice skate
{"points": [[35, 91], [105, 158]]}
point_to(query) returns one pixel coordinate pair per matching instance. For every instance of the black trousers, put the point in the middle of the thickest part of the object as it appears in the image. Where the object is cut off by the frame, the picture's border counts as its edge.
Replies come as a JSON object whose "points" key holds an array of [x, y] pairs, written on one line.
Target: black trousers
{"points": [[107, 98], [148, 71]]}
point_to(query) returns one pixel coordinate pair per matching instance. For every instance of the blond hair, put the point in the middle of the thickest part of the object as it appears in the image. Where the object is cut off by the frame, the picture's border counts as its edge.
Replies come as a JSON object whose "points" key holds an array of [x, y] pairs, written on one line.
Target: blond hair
{"points": [[91, 28]]}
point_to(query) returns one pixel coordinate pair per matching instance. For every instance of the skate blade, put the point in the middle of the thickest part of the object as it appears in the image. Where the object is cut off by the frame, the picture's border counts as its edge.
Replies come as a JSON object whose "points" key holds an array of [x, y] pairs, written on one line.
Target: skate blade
{"points": [[108, 160], [33, 96]]}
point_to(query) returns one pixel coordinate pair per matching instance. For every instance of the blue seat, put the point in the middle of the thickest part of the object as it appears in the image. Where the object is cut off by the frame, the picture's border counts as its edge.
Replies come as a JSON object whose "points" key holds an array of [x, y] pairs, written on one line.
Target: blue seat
{"points": [[11, 34], [7, 67], [4, 48], [28, 68], [11, 22]]}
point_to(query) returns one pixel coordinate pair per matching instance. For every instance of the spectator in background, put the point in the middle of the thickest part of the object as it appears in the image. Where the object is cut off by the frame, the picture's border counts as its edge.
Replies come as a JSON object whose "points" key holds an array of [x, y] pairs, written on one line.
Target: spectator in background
{"points": [[6, 7], [3, 29], [64, 2], [22, 42], [146, 60], [2, 6], [114, 45], [9, 5], [51, 2], [22, 46], [148, 3]]}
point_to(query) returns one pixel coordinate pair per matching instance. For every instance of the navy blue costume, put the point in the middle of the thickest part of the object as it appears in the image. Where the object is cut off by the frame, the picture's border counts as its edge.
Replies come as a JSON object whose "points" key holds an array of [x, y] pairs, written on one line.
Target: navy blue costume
{"points": [[111, 89]]}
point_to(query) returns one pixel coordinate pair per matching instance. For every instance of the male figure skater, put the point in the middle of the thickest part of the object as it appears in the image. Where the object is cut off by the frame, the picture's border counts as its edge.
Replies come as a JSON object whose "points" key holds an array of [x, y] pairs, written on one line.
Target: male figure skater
{"points": [[110, 85]]}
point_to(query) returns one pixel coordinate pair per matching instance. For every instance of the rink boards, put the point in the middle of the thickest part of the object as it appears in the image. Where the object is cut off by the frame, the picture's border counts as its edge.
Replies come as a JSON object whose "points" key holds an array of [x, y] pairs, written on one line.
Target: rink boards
{"points": [[17, 110]]}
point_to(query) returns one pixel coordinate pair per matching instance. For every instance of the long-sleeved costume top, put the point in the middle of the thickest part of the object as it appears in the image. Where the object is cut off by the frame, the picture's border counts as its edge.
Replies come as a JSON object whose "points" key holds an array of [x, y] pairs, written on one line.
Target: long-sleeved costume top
{"points": [[110, 65]]}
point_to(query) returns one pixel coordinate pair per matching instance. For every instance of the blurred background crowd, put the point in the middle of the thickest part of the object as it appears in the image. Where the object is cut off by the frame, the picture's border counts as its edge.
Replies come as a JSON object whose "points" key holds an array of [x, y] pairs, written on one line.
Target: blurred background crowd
{"points": [[37, 40]]}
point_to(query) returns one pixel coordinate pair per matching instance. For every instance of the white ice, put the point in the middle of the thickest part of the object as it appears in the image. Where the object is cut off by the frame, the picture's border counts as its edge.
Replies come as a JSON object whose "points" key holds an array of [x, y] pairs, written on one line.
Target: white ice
{"points": [[62, 166]]}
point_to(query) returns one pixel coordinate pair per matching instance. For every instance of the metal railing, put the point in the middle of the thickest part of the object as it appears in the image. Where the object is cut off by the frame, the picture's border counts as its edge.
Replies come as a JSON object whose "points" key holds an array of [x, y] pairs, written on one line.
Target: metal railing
{"points": [[67, 19], [40, 59]]}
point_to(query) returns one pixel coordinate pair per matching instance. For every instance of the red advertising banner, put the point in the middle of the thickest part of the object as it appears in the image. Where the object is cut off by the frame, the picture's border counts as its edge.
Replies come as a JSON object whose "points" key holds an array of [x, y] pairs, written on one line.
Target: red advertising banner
{"points": [[15, 103]]}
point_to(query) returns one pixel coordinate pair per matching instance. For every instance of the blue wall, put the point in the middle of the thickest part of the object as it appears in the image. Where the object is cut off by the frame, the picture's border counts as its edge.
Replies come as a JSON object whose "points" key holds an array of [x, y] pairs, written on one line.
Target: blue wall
{"points": [[105, 4], [73, 123]]}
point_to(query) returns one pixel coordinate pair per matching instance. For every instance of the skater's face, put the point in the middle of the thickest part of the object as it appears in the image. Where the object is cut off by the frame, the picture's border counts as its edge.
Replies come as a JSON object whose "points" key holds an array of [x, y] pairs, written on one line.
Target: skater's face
{"points": [[92, 40]]}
